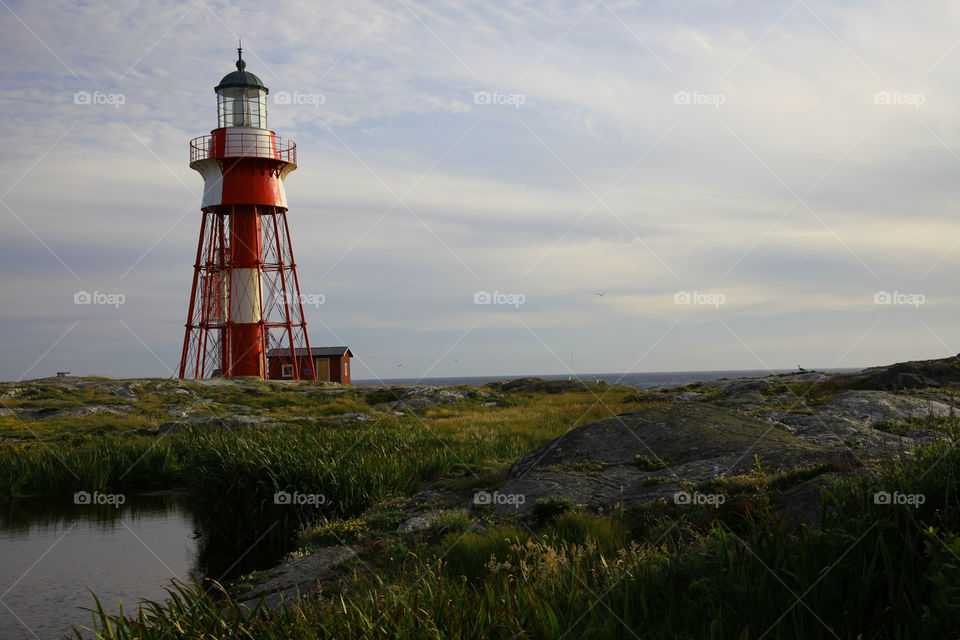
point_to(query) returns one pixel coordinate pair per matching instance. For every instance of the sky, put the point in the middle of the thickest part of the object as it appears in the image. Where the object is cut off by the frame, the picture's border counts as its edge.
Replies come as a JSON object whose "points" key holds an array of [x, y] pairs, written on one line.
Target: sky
{"points": [[749, 185]]}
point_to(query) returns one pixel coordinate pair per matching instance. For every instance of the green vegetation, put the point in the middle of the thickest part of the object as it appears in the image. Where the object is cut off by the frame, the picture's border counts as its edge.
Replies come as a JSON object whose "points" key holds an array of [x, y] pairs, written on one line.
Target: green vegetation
{"points": [[649, 463], [247, 582], [937, 423], [231, 478], [880, 570], [697, 387], [586, 468], [335, 532], [881, 564], [819, 392], [545, 509]]}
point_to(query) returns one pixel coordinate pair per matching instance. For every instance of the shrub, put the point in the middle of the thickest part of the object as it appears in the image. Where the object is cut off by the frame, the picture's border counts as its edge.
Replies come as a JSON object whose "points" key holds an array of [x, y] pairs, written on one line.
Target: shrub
{"points": [[336, 532], [545, 509], [451, 521], [469, 555], [609, 533]]}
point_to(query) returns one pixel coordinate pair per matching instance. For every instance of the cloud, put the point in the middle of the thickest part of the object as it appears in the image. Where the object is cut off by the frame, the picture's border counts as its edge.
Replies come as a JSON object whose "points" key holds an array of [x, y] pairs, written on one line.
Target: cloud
{"points": [[541, 150]]}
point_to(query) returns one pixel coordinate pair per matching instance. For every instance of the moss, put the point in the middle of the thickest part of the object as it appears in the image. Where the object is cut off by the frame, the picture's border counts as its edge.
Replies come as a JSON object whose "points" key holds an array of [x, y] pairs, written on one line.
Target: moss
{"points": [[649, 463], [944, 424], [589, 468]]}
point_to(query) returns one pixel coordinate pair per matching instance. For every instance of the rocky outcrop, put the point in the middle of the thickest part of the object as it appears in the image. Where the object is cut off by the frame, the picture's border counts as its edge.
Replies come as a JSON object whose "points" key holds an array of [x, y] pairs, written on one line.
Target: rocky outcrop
{"points": [[911, 375], [70, 412], [646, 454], [523, 385], [652, 453], [851, 416], [210, 422], [419, 522], [421, 397], [295, 578]]}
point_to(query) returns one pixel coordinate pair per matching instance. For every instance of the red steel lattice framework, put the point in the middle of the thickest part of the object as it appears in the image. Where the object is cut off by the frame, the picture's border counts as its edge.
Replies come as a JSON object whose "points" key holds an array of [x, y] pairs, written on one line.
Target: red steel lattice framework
{"points": [[209, 327], [245, 301]]}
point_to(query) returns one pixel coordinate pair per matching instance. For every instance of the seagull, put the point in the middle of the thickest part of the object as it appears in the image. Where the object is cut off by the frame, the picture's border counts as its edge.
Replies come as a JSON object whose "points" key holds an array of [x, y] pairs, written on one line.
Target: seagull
{"points": [[600, 294]]}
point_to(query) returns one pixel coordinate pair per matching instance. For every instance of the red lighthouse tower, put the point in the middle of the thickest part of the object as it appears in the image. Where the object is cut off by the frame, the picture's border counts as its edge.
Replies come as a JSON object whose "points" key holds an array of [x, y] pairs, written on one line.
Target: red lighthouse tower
{"points": [[246, 298]]}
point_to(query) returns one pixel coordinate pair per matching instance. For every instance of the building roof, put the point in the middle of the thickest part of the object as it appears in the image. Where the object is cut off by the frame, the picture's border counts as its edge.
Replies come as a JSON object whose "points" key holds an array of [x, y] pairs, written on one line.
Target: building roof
{"points": [[314, 351]]}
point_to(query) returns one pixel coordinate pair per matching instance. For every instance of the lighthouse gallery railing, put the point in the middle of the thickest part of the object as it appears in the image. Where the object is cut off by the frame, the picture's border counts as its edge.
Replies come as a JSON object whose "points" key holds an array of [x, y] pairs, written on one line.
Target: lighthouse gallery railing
{"points": [[243, 145]]}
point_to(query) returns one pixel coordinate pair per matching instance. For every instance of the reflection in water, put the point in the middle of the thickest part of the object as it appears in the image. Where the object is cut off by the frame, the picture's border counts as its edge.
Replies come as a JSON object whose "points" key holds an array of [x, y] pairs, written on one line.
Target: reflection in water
{"points": [[53, 553], [20, 516]]}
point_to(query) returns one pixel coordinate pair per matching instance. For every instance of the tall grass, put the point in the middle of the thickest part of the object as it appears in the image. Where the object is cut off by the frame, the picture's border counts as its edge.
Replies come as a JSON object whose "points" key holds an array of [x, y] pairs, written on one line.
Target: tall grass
{"points": [[872, 570], [235, 476], [231, 477], [137, 463]]}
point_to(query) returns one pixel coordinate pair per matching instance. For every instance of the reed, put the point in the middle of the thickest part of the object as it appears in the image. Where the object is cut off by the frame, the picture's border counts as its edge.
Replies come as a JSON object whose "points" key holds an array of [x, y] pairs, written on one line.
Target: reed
{"points": [[872, 570]]}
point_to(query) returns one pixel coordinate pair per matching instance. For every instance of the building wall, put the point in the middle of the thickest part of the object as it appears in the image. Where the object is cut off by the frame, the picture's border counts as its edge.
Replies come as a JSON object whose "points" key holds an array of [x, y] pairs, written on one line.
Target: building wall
{"points": [[304, 364], [339, 368], [275, 368], [337, 372]]}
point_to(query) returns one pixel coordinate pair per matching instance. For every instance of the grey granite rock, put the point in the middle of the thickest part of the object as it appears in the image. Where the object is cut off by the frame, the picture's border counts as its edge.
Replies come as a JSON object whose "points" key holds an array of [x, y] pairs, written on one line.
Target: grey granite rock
{"points": [[294, 578]]}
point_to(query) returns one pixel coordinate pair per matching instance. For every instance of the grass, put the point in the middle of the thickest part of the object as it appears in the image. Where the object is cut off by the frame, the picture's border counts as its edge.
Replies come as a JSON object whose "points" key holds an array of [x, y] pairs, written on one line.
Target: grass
{"points": [[67, 464], [872, 570], [945, 424], [232, 477], [661, 569], [822, 391], [545, 509]]}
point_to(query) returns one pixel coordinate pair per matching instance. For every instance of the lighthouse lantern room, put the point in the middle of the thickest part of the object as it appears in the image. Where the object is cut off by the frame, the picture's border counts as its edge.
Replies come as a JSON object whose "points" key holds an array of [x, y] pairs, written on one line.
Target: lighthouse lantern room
{"points": [[245, 300]]}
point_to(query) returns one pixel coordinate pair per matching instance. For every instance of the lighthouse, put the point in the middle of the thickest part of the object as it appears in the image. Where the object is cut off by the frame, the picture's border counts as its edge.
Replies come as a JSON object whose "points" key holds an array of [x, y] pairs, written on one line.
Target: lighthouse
{"points": [[245, 300]]}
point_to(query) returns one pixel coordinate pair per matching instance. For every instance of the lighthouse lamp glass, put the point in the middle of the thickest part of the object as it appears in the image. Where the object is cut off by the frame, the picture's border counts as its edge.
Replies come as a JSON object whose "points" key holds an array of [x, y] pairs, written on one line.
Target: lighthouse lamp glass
{"points": [[242, 107]]}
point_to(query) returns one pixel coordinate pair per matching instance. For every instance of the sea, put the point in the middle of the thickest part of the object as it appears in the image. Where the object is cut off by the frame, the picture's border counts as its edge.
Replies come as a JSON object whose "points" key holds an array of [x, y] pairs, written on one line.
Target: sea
{"points": [[654, 380]]}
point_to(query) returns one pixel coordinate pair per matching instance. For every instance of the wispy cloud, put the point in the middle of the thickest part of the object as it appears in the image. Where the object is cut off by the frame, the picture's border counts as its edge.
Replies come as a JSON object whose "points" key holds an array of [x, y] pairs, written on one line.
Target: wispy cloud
{"points": [[559, 101]]}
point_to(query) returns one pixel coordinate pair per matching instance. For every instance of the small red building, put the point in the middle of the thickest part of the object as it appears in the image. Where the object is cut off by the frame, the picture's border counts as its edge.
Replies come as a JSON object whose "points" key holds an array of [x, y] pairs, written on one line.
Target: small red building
{"points": [[332, 364]]}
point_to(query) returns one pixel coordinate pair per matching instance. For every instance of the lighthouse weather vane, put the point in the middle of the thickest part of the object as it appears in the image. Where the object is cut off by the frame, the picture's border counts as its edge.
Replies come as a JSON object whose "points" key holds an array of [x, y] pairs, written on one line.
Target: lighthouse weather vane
{"points": [[245, 302]]}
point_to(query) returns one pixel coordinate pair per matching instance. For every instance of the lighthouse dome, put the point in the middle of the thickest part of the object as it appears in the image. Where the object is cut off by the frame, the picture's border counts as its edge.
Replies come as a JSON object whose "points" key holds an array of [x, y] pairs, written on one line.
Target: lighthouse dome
{"points": [[241, 78]]}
